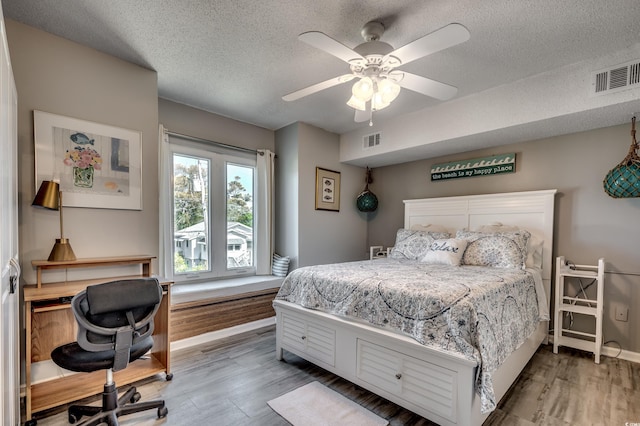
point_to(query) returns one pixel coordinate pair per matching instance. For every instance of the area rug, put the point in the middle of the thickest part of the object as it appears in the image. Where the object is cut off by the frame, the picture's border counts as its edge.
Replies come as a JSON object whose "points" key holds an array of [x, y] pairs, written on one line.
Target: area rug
{"points": [[315, 404]]}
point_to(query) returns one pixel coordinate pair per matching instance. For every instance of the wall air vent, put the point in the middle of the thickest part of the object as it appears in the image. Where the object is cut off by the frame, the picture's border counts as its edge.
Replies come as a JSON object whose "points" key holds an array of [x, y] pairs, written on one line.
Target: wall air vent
{"points": [[372, 140], [617, 78]]}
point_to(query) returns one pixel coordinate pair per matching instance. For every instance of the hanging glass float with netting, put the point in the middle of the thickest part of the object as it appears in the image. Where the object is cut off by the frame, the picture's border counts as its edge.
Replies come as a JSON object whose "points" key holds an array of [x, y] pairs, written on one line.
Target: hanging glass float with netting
{"points": [[367, 200], [623, 181]]}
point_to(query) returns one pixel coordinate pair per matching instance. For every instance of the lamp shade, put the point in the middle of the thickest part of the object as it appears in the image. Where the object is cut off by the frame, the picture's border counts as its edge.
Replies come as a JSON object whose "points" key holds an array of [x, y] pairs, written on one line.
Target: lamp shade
{"points": [[363, 89], [389, 90], [356, 103], [47, 196], [378, 103]]}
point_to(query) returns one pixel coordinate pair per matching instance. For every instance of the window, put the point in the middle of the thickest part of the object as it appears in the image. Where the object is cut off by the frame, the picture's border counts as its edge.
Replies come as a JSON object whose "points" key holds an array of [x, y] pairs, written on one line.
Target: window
{"points": [[212, 215]]}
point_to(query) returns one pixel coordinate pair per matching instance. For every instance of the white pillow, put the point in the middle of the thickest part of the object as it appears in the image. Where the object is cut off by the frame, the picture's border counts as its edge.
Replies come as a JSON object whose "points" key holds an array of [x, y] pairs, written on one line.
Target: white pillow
{"points": [[430, 228], [445, 252], [414, 244], [534, 252]]}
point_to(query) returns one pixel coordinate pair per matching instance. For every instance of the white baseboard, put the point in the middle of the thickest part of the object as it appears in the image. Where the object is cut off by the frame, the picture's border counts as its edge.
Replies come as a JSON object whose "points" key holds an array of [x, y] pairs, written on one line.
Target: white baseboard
{"points": [[221, 334], [614, 352]]}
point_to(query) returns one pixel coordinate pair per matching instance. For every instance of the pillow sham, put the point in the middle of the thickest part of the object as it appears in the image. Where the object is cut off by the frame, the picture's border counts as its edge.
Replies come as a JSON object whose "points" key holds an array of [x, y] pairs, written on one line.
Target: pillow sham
{"points": [[534, 246], [497, 249], [430, 228], [280, 265], [447, 251], [413, 245]]}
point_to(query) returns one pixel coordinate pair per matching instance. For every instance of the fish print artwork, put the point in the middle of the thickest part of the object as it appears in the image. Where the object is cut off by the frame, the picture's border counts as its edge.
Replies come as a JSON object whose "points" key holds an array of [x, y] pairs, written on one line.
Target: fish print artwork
{"points": [[81, 139]]}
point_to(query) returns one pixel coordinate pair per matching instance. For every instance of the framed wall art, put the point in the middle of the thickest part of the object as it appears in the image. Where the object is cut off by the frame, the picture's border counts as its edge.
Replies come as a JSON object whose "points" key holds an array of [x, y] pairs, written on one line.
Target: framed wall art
{"points": [[97, 165], [327, 190]]}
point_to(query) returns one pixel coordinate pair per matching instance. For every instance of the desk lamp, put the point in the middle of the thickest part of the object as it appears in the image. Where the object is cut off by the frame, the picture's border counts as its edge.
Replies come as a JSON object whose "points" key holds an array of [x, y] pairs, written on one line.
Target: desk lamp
{"points": [[49, 197]]}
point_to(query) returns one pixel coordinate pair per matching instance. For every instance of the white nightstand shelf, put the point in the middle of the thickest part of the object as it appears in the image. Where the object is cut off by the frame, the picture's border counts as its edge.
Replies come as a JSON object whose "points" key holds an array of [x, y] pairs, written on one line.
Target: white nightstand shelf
{"points": [[578, 304]]}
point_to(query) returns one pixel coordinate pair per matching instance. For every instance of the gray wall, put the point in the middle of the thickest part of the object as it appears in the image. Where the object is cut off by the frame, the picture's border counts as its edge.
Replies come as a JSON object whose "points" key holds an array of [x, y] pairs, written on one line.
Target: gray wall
{"points": [[588, 223], [190, 121], [61, 77], [307, 235], [286, 194]]}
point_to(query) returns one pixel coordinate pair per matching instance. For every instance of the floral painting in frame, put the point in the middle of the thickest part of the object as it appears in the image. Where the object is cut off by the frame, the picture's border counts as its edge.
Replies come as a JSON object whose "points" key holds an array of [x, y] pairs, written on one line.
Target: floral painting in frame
{"points": [[97, 165]]}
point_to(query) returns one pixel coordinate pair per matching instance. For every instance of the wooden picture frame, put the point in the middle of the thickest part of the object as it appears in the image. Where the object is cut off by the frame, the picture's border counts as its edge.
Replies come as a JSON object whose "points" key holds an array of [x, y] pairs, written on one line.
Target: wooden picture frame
{"points": [[327, 190], [97, 166]]}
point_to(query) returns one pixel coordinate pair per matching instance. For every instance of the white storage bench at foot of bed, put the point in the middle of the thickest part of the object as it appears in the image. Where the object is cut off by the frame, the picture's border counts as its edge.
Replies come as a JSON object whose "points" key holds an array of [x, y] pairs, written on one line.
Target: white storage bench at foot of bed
{"points": [[435, 384]]}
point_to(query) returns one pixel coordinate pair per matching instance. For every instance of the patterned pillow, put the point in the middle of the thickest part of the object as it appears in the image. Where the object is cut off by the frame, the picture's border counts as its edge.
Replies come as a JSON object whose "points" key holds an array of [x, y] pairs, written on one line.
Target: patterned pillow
{"points": [[445, 252], [280, 265], [534, 247], [414, 244], [498, 249]]}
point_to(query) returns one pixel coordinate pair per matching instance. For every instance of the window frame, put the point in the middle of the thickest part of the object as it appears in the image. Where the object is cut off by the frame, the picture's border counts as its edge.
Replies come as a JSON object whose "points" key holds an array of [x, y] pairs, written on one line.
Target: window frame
{"points": [[217, 211]]}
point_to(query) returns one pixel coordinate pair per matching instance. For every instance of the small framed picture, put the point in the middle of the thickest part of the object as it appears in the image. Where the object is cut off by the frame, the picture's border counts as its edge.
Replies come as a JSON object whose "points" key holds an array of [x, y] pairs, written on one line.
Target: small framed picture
{"points": [[327, 190]]}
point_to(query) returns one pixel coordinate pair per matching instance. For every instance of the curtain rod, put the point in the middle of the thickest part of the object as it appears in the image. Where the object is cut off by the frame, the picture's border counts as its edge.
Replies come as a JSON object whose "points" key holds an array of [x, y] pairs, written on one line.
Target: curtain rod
{"points": [[220, 144]]}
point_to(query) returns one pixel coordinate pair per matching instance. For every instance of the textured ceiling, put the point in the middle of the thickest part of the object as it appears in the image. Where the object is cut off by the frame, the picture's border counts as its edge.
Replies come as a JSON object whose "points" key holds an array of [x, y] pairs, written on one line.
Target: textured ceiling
{"points": [[237, 58]]}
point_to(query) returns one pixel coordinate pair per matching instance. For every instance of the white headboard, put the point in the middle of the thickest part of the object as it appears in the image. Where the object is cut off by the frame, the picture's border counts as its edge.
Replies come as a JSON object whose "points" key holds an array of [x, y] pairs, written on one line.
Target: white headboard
{"points": [[532, 210]]}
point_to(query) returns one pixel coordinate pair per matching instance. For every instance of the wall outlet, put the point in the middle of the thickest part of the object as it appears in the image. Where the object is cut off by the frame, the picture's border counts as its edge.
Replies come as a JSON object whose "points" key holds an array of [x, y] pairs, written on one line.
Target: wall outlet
{"points": [[622, 313]]}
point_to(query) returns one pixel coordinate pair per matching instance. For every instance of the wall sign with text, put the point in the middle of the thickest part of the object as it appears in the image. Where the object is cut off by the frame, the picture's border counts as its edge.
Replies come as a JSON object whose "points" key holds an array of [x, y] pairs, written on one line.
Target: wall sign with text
{"points": [[497, 164]]}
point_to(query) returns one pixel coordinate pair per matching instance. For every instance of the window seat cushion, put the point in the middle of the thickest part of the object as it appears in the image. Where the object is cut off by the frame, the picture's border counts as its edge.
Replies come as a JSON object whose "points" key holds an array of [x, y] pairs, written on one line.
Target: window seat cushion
{"points": [[181, 293]]}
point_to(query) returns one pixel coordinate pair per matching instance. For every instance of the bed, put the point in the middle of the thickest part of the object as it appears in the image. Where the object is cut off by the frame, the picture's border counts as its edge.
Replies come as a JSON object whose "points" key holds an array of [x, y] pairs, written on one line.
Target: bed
{"points": [[438, 375]]}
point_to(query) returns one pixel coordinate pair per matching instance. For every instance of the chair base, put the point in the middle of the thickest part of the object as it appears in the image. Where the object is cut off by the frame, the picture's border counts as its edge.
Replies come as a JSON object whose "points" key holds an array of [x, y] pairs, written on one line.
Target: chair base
{"points": [[114, 407]]}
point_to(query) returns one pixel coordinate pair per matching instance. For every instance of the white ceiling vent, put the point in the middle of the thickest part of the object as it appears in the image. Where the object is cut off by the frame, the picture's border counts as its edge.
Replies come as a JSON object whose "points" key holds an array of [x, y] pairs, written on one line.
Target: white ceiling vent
{"points": [[372, 140], [617, 78]]}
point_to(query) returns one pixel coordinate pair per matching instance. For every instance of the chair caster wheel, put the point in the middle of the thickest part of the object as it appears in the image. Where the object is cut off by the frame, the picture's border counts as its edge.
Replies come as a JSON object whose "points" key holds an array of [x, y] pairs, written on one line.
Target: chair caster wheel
{"points": [[31, 422], [73, 418], [169, 377], [135, 397], [162, 412]]}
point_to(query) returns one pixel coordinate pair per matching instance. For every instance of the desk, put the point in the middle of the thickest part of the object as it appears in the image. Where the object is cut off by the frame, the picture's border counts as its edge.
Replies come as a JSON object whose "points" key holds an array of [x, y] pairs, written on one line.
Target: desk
{"points": [[50, 323]]}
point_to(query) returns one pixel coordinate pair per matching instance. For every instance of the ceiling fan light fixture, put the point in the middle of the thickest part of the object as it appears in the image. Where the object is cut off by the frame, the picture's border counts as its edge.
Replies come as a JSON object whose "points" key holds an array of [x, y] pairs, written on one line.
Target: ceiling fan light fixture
{"points": [[378, 102], [356, 103], [388, 90], [363, 89]]}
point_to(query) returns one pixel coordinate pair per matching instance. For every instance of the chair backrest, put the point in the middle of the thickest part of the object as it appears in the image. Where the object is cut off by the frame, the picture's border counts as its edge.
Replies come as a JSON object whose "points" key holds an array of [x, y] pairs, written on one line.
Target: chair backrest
{"points": [[116, 315]]}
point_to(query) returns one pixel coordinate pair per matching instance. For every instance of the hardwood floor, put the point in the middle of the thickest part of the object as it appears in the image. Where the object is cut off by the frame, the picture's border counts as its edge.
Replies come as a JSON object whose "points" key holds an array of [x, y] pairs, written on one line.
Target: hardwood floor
{"points": [[229, 382]]}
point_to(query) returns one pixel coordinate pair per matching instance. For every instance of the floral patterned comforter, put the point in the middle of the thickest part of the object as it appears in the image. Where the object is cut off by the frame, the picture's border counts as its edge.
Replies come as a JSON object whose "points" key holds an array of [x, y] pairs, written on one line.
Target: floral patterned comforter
{"points": [[480, 312]]}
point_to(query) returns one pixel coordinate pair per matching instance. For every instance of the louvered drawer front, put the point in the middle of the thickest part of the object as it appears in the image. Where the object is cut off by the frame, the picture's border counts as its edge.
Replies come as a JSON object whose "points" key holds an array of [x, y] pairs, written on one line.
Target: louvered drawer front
{"points": [[316, 341], [293, 332], [420, 382], [321, 343]]}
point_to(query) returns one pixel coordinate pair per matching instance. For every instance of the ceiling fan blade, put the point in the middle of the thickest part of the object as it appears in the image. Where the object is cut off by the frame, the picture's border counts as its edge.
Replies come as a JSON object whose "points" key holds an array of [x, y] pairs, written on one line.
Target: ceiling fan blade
{"points": [[362, 116], [428, 87], [318, 87], [329, 45], [433, 42]]}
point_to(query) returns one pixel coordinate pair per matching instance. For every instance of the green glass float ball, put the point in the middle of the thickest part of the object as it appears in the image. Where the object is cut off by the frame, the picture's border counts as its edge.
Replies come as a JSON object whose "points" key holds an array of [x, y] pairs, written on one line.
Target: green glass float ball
{"points": [[623, 181], [367, 201]]}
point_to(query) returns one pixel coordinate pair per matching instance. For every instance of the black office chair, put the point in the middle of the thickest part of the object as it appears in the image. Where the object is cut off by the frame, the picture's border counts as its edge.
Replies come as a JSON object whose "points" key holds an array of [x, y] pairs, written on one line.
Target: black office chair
{"points": [[115, 327]]}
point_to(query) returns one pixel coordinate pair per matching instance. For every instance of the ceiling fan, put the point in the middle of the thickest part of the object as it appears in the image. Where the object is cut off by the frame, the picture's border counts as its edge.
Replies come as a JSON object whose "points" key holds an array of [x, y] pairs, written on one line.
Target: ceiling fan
{"points": [[374, 63]]}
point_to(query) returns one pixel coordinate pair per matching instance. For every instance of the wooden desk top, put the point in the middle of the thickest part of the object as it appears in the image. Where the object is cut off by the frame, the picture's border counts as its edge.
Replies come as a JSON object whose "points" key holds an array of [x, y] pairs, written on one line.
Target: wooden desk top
{"points": [[52, 291], [91, 261]]}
